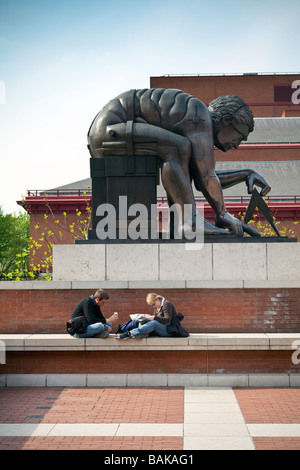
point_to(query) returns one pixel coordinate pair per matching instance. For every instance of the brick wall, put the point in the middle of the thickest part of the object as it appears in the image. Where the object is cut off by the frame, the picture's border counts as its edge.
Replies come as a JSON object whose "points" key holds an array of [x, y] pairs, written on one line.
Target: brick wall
{"points": [[205, 310], [259, 154], [256, 90], [158, 362]]}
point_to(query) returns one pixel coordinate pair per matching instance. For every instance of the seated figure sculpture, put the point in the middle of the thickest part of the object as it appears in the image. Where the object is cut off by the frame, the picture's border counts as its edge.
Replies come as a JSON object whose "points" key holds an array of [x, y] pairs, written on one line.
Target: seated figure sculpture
{"points": [[182, 131]]}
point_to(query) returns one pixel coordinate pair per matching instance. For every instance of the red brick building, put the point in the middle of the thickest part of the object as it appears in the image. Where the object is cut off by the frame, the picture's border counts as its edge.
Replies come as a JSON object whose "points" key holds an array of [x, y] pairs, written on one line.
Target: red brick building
{"points": [[268, 95]]}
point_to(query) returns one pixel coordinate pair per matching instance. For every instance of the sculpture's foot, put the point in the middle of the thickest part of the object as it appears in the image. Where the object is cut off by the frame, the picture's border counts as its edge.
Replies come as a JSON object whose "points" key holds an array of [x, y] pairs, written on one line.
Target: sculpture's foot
{"points": [[211, 229], [203, 227]]}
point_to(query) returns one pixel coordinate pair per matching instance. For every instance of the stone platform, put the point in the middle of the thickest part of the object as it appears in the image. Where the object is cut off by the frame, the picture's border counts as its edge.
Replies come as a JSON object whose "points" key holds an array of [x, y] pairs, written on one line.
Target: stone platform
{"points": [[259, 261], [199, 360], [240, 303]]}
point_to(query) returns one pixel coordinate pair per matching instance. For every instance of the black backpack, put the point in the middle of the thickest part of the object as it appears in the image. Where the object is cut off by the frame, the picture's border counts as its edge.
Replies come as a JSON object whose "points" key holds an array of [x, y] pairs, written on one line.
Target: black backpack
{"points": [[130, 325], [77, 325]]}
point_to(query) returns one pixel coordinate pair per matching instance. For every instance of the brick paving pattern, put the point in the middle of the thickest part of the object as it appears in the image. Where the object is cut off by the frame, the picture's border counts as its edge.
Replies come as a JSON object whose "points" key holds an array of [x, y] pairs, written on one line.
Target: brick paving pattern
{"points": [[91, 405], [277, 443], [157, 405], [91, 443], [271, 405]]}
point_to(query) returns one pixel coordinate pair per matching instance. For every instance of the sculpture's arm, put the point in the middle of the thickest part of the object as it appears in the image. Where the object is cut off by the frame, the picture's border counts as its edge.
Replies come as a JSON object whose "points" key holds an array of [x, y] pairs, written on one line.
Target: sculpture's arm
{"points": [[197, 127], [207, 181], [230, 178]]}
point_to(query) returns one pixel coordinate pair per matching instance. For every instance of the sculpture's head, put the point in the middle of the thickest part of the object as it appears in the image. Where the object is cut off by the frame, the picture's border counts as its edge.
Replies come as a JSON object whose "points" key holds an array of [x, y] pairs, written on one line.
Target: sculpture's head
{"points": [[232, 121]]}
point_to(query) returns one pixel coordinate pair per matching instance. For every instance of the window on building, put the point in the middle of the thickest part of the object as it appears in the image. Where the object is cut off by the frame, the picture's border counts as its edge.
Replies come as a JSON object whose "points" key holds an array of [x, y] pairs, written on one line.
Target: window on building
{"points": [[282, 93]]}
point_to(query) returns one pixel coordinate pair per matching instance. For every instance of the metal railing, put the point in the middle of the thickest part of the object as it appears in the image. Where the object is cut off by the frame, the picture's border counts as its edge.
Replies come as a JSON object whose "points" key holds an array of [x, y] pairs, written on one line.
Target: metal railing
{"points": [[161, 199], [58, 192], [226, 74], [243, 199]]}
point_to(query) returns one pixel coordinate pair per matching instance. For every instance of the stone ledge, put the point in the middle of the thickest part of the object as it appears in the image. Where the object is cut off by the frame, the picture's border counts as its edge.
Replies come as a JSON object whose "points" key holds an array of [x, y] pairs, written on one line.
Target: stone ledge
{"points": [[152, 284], [196, 341], [150, 380]]}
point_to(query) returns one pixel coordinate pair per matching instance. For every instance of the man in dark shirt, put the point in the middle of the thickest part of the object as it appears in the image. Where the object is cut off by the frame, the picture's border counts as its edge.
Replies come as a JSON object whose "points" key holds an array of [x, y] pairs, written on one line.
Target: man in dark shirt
{"points": [[90, 307]]}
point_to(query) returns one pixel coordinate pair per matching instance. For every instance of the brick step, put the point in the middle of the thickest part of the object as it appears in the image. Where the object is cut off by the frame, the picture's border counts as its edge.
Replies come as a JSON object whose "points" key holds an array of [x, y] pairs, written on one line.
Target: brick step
{"points": [[212, 359]]}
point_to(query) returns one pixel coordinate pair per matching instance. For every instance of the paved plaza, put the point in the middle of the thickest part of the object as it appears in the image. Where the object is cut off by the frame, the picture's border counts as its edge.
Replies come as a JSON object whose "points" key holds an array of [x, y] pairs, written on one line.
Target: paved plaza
{"points": [[149, 418]]}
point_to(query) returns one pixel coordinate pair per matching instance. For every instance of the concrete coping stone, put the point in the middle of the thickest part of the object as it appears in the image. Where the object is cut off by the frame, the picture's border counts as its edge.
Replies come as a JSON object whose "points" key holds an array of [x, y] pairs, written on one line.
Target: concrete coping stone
{"points": [[196, 341], [151, 284]]}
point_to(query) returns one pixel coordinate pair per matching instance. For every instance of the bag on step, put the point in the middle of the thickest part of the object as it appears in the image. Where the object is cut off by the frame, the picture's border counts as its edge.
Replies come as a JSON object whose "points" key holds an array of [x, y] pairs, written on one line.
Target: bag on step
{"points": [[129, 325], [77, 325]]}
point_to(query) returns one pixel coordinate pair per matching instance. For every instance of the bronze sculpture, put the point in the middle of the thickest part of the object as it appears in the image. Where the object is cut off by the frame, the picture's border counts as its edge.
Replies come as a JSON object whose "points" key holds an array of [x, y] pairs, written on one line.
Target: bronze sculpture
{"points": [[182, 131]]}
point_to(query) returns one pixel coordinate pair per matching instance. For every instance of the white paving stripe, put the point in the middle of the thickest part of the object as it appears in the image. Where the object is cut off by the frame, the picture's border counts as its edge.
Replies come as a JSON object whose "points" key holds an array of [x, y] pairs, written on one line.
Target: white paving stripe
{"points": [[155, 429], [218, 443], [84, 429], [116, 429], [213, 421], [274, 430], [216, 426], [25, 429], [92, 429]]}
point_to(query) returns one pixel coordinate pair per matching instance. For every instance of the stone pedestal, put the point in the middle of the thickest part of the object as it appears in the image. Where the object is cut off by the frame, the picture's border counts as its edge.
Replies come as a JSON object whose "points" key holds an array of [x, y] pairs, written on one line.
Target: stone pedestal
{"points": [[115, 176], [175, 262]]}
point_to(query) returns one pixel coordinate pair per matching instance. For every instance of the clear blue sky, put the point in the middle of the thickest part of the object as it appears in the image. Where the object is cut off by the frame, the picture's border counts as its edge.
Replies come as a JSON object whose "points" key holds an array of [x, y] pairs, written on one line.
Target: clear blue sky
{"points": [[61, 61]]}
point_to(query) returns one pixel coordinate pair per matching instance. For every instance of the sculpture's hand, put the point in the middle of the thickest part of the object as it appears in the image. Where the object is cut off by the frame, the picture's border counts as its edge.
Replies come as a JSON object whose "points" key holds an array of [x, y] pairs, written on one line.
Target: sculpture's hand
{"points": [[228, 221], [255, 179]]}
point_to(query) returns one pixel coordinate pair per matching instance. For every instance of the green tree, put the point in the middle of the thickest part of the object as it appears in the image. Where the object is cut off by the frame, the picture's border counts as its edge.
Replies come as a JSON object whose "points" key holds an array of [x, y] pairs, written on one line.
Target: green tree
{"points": [[14, 241]]}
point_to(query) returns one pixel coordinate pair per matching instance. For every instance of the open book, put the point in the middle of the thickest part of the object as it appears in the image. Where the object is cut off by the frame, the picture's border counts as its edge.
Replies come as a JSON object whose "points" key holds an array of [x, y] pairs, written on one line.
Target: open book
{"points": [[139, 316]]}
